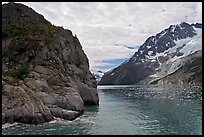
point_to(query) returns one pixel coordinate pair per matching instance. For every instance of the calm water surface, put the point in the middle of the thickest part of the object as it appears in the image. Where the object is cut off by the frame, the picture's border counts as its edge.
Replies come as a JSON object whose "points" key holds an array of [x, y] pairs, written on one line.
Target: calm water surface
{"points": [[149, 110]]}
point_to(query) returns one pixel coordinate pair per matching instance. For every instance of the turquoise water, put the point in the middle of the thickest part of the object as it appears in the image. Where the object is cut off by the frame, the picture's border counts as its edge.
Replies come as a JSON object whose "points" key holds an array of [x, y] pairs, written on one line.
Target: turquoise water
{"points": [[133, 110]]}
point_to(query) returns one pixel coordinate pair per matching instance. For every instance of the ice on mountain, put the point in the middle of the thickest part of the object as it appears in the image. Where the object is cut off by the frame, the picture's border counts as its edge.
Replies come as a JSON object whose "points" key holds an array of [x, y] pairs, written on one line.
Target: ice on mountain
{"points": [[153, 60], [194, 44], [162, 34], [154, 75], [172, 28], [148, 47], [143, 60], [134, 58], [174, 66], [149, 53], [112, 74]]}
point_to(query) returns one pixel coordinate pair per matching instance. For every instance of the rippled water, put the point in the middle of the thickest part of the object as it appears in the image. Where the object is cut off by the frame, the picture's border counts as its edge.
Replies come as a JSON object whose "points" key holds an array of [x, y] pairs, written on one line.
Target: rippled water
{"points": [[150, 110]]}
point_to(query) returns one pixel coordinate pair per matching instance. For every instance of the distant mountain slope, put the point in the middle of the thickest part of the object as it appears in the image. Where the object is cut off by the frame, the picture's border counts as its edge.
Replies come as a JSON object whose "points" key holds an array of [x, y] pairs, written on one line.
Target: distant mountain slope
{"points": [[158, 56], [98, 75], [189, 73]]}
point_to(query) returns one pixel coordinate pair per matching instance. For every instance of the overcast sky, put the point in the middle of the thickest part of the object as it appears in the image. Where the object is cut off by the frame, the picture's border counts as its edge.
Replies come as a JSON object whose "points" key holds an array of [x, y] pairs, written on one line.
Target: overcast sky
{"points": [[107, 29]]}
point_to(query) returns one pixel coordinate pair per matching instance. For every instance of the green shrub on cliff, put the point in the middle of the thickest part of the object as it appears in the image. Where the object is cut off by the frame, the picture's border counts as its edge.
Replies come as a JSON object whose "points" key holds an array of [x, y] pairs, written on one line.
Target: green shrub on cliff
{"points": [[14, 30], [19, 73]]}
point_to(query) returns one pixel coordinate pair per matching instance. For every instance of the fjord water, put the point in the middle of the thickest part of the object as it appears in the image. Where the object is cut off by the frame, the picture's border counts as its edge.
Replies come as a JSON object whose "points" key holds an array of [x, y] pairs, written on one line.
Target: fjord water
{"points": [[134, 110]]}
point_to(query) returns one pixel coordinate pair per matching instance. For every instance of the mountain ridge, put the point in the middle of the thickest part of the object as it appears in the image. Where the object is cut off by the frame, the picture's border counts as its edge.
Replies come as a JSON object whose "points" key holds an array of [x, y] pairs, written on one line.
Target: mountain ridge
{"points": [[155, 51]]}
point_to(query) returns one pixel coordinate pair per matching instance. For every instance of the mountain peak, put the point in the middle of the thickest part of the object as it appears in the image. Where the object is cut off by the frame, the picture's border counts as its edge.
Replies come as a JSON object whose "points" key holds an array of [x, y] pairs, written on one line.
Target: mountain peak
{"points": [[16, 13], [164, 40], [197, 25], [158, 56]]}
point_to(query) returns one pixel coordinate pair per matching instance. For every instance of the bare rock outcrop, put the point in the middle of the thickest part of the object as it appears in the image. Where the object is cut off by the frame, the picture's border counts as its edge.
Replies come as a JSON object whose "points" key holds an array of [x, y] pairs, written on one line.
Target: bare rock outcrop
{"points": [[45, 72]]}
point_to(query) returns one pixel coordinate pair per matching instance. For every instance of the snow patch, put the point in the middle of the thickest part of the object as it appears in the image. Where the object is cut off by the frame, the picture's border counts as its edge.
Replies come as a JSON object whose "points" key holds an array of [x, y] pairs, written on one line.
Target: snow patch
{"points": [[143, 60], [141, 51], [134, 58], [186, 46], [150, 52], [158, 61], [153, 60], [173, 28], [162, 34], [179, 25], [174, 66], [153, 76], [194, 44], [112, 74]]}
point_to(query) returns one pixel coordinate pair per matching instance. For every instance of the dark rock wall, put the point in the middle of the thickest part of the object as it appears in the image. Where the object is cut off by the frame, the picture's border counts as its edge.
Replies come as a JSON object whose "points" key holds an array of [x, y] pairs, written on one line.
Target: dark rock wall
{"points": [[45, 72]]}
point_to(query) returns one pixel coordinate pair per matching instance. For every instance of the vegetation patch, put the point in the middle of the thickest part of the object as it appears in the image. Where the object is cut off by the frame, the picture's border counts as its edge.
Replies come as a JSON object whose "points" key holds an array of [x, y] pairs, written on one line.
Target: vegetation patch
{"points": [[4, 93], [41, 63], [10, 80], [19, 73], [14, 30]]}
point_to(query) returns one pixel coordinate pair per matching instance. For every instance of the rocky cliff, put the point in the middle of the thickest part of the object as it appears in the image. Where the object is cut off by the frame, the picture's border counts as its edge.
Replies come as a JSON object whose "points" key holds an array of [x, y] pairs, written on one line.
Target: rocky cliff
{"points": [[161, 56], [45, 72]]}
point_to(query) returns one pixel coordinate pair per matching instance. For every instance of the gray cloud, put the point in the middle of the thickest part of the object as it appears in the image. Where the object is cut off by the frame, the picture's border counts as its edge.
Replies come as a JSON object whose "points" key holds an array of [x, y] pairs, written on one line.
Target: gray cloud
{"points": [[101, 25]]}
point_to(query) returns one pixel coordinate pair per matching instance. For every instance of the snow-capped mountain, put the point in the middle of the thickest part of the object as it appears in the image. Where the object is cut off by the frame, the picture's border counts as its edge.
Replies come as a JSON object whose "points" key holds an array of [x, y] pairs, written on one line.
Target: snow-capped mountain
{"points": [[98, 75], [159, 56]]}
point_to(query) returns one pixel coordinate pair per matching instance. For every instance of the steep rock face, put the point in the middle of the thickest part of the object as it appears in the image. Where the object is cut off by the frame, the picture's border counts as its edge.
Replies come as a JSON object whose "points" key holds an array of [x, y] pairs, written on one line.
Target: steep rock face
{"points": [[158, 56], [45, 73]]}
